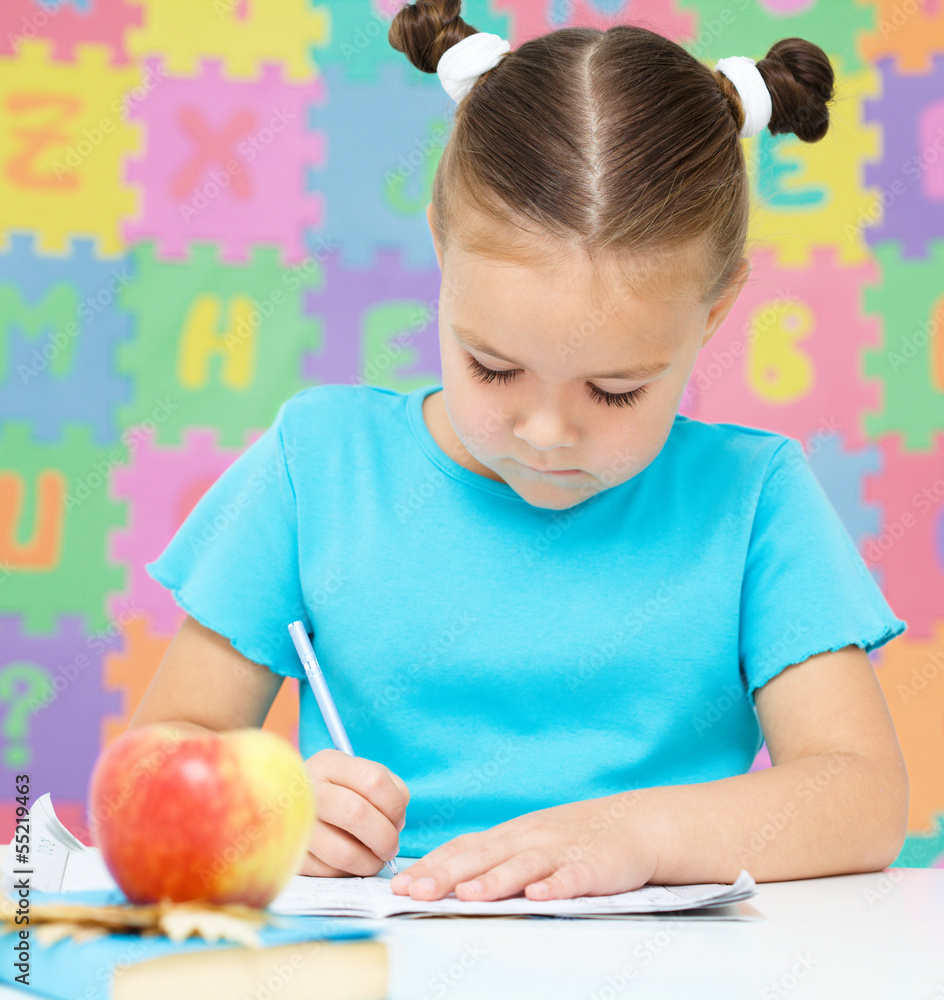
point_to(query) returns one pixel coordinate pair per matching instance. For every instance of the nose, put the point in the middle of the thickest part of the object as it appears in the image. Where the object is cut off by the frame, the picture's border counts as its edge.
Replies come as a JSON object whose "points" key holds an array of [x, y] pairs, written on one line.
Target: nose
{"points": [[545, 427]]}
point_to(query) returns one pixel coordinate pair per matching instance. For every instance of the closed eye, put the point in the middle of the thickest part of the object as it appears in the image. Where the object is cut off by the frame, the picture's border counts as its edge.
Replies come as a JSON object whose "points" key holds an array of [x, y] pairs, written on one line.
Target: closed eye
{"points": [[484, 374]]}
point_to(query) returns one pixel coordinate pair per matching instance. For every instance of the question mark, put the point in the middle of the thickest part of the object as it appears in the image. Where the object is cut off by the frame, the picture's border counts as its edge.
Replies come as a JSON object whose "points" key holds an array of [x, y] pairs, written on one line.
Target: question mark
{"points": [[20, 682]]}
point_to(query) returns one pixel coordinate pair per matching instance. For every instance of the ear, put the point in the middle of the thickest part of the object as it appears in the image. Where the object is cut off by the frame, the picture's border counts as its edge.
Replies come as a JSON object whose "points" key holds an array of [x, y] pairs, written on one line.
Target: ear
{"points": [[432, 229], [723, 305]]}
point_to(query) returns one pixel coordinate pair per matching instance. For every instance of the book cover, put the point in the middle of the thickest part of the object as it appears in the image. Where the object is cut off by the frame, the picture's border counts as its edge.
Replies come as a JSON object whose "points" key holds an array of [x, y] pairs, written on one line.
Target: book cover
{"points": [[105, 968]]}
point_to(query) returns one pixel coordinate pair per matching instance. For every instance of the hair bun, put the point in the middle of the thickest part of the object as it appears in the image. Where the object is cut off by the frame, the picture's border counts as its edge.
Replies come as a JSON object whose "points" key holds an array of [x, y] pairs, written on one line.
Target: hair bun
{"points": [[424, 30], [800, 79]]}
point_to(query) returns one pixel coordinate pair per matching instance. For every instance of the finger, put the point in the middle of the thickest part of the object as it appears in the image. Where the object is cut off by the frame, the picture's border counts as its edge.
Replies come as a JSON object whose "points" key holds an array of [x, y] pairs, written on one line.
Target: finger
{"points": [[313, 866], [368, 778], [463, 857], [568, 882], [348, 810], [336, 853], [508, 878], [401, 784]]}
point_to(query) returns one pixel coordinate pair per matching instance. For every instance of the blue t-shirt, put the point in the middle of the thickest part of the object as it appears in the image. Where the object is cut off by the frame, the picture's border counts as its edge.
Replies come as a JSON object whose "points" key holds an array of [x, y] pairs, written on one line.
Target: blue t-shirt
{"points": [[501, 657]]}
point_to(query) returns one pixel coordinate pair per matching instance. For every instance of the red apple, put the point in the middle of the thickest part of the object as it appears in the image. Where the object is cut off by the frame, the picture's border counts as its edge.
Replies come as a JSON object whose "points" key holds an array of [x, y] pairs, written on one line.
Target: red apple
{"points": [[221, 817]]}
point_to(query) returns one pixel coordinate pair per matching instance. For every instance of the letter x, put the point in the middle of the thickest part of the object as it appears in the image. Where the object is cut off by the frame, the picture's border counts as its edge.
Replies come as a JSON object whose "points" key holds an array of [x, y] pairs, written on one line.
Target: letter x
{"points": [[212, 147]]}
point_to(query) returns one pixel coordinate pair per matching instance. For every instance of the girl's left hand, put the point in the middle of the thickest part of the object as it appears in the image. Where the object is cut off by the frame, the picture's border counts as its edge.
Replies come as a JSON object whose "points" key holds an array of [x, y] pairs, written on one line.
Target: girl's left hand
{"points": [[590, 848]]}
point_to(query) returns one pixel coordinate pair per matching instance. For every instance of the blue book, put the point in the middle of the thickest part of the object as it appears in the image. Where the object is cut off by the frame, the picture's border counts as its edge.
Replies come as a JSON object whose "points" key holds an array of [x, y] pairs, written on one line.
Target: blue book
{"points": [[315, 958]]}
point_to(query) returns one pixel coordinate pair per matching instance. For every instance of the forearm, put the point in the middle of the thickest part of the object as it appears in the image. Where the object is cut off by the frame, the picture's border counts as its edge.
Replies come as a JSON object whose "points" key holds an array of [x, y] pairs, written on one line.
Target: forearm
{"points": [[179, 725], [829, 814]]}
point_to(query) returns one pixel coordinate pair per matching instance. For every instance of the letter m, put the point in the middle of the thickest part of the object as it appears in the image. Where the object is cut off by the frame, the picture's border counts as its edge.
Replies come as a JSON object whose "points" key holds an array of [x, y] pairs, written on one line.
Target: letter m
{"points": [[50, 315]]}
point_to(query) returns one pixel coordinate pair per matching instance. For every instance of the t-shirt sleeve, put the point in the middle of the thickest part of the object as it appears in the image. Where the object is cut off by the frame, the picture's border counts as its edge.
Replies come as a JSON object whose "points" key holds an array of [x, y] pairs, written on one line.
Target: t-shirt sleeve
{"points": [[233, 564], [806, 588]]}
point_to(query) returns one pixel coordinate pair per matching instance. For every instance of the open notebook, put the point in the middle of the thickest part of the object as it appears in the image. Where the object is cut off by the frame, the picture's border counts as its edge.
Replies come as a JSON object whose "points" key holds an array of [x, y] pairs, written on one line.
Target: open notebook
{"points": [[61, 863]]}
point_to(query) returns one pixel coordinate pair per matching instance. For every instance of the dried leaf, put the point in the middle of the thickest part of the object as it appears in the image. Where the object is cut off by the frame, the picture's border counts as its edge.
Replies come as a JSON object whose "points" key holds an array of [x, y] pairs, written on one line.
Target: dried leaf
{"points": [[82, 922], [114, 917], [49, 934], [211, 925]]}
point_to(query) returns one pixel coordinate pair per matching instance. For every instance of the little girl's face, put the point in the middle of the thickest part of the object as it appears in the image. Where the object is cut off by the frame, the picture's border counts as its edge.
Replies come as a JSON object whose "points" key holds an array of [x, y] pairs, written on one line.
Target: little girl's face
{"points": [[589, 377]]}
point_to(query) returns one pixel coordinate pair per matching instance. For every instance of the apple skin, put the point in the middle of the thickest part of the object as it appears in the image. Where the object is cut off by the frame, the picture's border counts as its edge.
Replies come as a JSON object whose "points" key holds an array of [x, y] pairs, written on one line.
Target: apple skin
{"points": [[220, 817]]}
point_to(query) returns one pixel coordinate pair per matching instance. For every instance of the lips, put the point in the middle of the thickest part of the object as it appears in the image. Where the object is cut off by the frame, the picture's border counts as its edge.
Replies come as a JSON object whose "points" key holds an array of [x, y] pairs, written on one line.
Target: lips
{"points": [[553, 472]]}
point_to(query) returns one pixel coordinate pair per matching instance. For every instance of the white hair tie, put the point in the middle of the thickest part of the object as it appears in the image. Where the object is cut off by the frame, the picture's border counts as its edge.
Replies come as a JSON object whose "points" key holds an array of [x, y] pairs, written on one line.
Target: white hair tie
{"points": [[463, 63], [742, 71]]}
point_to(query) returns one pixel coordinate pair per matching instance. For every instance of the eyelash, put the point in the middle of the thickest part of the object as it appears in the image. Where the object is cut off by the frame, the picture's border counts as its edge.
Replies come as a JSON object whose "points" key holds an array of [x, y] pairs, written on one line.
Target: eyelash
{"points": [[484, 374]]}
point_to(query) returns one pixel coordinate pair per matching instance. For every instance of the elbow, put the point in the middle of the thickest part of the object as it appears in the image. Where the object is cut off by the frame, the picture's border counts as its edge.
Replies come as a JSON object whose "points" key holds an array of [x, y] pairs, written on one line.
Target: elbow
{"points": [[899, 821], [892, 798]]}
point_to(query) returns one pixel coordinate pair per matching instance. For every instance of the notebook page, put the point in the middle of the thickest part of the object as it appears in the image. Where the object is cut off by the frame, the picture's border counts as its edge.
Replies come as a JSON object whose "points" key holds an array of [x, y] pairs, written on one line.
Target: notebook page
{"points": [[372, 896], [329, 897], [60, 862], [86, 870], [647, 899]]}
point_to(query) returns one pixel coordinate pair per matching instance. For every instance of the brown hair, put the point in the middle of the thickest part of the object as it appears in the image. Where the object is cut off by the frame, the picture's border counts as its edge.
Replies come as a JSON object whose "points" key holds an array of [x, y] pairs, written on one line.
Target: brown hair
{"points": [[616, 141]]}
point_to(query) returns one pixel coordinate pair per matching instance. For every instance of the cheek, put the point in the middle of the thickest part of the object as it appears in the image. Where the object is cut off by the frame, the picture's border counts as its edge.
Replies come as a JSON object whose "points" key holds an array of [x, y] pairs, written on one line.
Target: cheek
{"points": [[478, 421], [470, 404], [627, 438]]}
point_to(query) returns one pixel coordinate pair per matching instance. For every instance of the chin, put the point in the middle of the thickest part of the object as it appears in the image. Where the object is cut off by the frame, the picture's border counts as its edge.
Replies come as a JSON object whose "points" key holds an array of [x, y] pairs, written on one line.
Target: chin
{"points": [[551, 498]]}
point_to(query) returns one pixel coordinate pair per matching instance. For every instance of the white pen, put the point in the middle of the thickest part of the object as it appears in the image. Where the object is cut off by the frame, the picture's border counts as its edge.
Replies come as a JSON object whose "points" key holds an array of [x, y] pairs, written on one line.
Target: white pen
{"points": [[323, 696]]}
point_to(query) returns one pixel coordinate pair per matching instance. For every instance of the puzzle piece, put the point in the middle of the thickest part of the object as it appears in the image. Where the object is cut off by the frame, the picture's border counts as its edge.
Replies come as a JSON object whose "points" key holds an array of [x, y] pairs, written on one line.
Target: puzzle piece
{"points": [[72, 815], [762, 760], [58, 493], [380, 324], [54, 514], [530, 18], [842, 473], [735, 28], [787, 356], [46, 684], [241, 33], [66, 26], [283, 714], [161, 486], [908, 32], [812, 194], [63, 136], [59, 328], [908, 549], [909, 177], [228, 162], [910, 359], [378, 192], [923, 850], [129, 671], [358, 45], [912, 679], [219, 344]]}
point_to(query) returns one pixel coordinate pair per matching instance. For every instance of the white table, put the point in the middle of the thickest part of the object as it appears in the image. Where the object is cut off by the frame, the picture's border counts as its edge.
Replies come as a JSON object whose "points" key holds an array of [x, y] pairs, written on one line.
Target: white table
{"points": [[850, 937], [877, 936]]}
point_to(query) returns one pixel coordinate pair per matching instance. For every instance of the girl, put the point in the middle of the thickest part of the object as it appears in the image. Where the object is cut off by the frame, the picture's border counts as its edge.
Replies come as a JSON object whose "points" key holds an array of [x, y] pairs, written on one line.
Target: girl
{"points": [[558, 618]]}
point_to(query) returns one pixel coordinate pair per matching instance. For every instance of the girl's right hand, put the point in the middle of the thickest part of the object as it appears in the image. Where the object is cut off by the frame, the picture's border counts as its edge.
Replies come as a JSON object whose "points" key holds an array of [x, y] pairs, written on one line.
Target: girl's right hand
{"points": [[360, 808]]}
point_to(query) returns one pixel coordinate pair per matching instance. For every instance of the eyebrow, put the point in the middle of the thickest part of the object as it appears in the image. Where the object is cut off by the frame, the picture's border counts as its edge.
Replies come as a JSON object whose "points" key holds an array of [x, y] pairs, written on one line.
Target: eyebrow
{"points": [[634, 373]]}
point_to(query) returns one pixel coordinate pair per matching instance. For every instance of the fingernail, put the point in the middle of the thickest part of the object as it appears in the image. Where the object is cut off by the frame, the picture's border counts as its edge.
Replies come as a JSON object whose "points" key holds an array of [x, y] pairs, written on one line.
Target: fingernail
{"points": [[403, 879], [401, 824], [474, 886], [426, 883]]}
